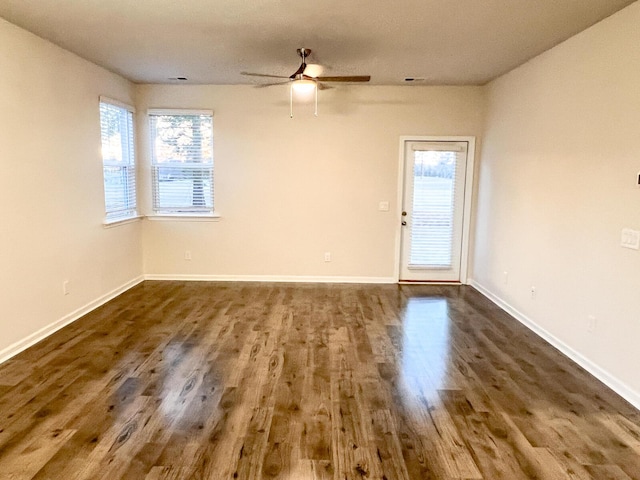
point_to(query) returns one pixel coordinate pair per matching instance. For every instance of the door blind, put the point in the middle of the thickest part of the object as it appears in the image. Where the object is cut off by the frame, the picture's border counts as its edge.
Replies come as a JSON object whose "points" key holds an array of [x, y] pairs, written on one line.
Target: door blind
{"points": [[435, 171]]}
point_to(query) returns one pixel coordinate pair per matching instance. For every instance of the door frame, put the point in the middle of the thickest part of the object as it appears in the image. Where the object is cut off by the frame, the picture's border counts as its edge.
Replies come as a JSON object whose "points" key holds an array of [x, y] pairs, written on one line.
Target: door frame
{"points": [[468, 198]]}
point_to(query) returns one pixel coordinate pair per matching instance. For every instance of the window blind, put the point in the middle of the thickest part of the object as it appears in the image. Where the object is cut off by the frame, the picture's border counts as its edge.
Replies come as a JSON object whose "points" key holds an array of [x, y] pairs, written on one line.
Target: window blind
{"points": [[182, 162], [118, 159]]}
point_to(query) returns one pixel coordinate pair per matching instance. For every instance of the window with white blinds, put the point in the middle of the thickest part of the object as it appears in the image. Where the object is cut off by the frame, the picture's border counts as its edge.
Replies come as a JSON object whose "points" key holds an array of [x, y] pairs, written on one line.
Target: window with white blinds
{"points": [[434, 196], [182, 162], [118, 160]]}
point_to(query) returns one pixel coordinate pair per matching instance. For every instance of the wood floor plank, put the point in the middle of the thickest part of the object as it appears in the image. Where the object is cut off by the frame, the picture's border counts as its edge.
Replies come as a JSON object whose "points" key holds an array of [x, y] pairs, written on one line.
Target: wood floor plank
{"points": [[607, 472], [388, 447], [216, 381], [27, 462]]}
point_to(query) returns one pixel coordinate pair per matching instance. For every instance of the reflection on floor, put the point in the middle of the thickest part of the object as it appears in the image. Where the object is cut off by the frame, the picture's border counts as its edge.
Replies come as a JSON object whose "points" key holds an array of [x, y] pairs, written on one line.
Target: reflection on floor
{"points": [[425, 347]]}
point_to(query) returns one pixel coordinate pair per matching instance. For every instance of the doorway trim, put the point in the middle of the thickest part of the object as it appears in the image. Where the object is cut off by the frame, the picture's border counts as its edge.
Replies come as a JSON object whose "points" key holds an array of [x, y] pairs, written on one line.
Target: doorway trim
{"points": [[468, 198]]}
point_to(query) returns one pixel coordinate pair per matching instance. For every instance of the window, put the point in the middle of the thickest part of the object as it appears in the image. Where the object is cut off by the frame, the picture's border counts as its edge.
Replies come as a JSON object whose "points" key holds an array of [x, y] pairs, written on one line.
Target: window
{"points": [[182, 162], [118, 160]]}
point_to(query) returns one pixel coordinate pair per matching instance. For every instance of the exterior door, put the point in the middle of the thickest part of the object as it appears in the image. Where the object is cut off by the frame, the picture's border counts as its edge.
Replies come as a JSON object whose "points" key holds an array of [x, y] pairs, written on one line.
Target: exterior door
{"points": [[433, 210]]}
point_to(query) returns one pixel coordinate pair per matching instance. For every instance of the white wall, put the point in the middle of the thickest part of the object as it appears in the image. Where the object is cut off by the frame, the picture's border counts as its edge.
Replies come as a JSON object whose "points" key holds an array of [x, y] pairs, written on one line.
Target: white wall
{"points": [[51, 192], [557, 185], [289, 190]]}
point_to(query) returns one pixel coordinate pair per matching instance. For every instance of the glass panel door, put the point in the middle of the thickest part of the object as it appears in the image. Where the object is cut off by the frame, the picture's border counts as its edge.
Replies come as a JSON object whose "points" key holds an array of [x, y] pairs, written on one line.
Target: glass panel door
{"points": [[433, 209]]}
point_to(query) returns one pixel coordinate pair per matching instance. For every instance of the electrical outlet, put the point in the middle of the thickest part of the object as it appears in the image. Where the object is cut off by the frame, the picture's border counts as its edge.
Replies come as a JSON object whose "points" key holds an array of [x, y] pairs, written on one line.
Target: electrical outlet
{"points": [[187, 254], [383, 206], [630, 239], [327, 256], [592, 323], [534, 293], [505, 277], [65, 287]]}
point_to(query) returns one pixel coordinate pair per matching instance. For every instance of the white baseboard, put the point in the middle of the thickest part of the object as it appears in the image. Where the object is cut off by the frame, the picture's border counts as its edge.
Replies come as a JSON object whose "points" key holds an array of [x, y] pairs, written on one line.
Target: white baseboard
{"points": [[270, 278], [614, 383], [19, 346]]}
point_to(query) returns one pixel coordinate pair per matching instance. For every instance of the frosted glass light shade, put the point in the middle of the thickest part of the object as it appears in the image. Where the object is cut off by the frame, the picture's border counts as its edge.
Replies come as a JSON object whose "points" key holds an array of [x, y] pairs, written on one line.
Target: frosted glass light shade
{"points": [[303, 89], [313, 70]]}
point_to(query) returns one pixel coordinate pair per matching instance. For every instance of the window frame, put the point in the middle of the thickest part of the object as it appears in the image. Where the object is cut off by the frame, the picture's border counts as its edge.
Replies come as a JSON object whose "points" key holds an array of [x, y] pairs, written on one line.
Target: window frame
{"points": [[130, 212], [178, 213]]}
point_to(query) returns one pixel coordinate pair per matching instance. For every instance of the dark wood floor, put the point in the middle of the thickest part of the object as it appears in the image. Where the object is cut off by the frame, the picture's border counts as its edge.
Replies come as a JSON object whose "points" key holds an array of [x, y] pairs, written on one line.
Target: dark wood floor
{"points": [[179, 380]]}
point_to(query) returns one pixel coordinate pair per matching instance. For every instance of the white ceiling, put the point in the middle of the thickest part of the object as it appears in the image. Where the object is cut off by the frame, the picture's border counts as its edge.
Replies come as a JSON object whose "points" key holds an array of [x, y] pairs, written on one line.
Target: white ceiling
{"points": [[446, 42]]}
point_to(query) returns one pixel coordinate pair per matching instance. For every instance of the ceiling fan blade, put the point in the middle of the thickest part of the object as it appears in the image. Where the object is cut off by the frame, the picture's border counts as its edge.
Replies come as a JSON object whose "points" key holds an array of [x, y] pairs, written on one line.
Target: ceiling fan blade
{"points": [[346, 78], [249, 74], [263, 85]]}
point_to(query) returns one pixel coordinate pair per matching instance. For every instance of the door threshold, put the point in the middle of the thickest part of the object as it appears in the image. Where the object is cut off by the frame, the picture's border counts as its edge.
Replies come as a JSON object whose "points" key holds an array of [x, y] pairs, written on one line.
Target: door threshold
{"points": [[429, 282]]}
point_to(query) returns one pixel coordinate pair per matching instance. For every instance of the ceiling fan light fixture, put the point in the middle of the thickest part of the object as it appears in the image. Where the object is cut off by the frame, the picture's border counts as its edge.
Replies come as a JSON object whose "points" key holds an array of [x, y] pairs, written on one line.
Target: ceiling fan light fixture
{"points": [[303, 88], [313, 70]]}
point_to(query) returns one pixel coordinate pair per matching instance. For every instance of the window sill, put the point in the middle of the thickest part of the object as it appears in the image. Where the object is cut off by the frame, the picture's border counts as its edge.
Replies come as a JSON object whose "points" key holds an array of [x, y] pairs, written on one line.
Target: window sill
{"points": [[215, 217], [122, 221]]}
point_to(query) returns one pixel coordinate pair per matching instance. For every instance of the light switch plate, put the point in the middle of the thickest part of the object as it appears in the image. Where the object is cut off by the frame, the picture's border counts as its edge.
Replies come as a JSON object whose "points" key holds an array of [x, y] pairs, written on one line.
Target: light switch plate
{"points": [[383, 206], [630, 239]]}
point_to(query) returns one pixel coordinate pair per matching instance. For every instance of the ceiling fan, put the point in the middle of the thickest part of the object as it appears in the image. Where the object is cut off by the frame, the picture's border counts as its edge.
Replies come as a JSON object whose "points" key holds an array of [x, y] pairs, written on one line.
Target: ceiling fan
{"points": [[310, 72], [307, 79]]}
